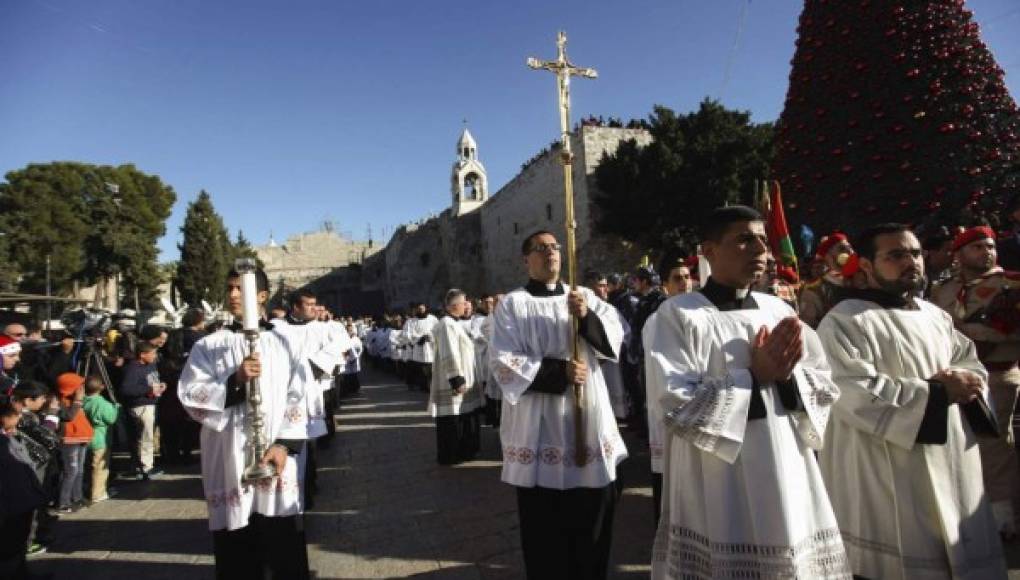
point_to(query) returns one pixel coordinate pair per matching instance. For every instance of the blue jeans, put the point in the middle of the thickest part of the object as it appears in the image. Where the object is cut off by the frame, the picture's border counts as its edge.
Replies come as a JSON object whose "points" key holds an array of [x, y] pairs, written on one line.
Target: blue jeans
{"points": [[72, 455]]}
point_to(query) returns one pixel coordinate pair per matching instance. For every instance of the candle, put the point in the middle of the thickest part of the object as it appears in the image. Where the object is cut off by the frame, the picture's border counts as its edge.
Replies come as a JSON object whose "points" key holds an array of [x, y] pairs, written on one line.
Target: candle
{"points": [[249, 300]]}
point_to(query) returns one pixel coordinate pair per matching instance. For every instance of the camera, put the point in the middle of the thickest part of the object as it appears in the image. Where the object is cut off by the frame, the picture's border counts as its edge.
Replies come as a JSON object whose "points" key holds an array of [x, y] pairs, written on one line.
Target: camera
{"points": [[86, 322]]}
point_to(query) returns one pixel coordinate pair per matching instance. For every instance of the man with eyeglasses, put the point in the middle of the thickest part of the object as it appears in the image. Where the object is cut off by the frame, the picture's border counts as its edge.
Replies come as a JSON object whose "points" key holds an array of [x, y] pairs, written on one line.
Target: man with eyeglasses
{"points": [[982, 299], [900, 463], [16, 331], [565, 506]]}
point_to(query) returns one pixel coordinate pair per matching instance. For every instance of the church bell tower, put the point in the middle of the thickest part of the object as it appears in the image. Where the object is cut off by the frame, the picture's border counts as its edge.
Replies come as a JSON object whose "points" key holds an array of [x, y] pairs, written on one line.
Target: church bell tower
{"points": [[470, 187]]}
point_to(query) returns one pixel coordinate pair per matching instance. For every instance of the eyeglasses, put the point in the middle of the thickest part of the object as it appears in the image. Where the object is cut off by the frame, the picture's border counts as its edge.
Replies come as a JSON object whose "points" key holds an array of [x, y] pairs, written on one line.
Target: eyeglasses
{"points": [[542, 248]]}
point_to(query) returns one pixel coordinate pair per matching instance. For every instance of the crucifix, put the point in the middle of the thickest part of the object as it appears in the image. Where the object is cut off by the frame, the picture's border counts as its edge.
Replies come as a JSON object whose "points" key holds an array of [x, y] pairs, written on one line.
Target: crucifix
{"points": [[564, 69]]}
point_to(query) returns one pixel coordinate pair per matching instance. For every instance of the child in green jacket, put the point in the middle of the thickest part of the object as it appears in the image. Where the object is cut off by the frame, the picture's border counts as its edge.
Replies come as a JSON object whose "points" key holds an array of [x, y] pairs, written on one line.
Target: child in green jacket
{"points": [[101, 414]]}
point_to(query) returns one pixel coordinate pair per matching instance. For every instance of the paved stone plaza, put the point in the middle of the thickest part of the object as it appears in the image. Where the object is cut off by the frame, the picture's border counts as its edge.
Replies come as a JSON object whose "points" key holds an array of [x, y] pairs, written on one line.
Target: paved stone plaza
{"points": [[385, 510]]}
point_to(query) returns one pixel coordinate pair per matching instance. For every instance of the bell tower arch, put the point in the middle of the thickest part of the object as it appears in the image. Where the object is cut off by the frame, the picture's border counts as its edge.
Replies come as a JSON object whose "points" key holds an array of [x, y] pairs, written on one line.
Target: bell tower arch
{"points": [[469, 184]]}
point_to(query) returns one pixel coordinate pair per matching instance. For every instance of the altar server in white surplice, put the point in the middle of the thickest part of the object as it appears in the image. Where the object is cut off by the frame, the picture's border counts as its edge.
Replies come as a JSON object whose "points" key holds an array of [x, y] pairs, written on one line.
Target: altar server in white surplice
{"points": [[901, 459], [417, 336], [257, 532], [746, 396], [455, 397], [318, 348], [565, 509]]}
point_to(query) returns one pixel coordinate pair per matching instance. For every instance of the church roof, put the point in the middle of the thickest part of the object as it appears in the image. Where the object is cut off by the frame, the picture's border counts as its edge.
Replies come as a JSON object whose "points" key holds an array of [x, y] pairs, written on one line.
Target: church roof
{"points": [[466, 140]]}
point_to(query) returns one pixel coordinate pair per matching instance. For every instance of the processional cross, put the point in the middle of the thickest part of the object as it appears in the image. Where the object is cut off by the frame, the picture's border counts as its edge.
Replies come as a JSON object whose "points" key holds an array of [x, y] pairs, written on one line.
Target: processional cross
{"points": [[564, 69]]}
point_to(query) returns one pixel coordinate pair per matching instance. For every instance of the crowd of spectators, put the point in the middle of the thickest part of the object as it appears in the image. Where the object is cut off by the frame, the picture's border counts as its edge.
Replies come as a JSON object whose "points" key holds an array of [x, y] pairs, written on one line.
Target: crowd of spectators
{"points": [[63, 422]]}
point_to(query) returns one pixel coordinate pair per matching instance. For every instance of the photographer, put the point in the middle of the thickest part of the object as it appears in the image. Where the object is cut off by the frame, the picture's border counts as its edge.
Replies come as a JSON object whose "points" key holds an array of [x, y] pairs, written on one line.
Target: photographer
{"points": [[61, 359]]}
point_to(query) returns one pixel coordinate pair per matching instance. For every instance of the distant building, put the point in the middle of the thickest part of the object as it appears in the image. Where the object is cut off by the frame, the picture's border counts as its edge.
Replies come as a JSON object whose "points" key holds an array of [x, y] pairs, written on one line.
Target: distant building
{"points": [[475, 244], [305, 258]]}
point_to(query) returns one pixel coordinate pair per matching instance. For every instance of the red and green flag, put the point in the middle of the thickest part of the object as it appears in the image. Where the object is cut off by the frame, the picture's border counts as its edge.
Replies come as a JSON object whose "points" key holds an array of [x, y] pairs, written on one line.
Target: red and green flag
{"points": [[775, 226]]}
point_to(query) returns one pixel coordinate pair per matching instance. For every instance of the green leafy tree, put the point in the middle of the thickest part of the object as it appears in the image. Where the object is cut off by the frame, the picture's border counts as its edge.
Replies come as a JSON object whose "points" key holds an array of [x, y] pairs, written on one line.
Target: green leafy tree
{"points": [[242, 248], [8, 273], [895, 110], [656, 195], [127, 219], [205, 253], [93, 221]]}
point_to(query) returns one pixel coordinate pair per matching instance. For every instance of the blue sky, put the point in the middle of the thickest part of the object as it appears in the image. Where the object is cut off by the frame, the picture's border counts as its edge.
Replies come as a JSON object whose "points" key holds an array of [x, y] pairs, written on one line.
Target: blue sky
{"points": [[290, 113]]}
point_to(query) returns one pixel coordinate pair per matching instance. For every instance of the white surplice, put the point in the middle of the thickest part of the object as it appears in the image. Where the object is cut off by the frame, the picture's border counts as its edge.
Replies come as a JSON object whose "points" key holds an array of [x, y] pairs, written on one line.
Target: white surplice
{"points": [[492, 389], [415, 329], [741, 499], [907, 510], [654, 390], [313, 343], [614, 376], [476, 331], [454, 357], [203, 392], [352, 358], [537, 429]]}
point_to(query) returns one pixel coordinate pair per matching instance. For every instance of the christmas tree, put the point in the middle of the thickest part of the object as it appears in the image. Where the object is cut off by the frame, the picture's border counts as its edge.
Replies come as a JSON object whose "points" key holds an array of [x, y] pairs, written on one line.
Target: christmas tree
{"points": [[896, 111]]}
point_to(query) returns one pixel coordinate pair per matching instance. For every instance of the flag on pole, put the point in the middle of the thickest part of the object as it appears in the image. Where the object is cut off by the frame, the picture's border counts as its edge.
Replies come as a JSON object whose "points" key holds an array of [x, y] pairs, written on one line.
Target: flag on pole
{"points": [[775, 226]]}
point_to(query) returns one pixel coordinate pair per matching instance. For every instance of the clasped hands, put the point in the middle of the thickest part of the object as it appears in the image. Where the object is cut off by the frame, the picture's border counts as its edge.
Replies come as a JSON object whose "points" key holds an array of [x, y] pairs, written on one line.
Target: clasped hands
{"points": [[962, 386], [775, 353]]}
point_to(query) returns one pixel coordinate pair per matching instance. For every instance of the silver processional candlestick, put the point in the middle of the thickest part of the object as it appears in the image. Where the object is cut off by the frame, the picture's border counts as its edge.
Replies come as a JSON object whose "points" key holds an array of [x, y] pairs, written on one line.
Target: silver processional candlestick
{"points": [[255, 470]]}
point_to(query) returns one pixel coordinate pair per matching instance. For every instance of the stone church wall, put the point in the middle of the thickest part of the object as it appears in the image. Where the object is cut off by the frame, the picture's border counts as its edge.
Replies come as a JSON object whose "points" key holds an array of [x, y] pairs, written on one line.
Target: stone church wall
{"points": [[533, 200], [480, 251]]}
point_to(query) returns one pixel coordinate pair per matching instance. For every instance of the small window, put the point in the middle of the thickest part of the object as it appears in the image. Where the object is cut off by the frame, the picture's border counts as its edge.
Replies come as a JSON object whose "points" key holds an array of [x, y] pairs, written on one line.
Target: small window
{"points": [[516, 229], [548, 211]]}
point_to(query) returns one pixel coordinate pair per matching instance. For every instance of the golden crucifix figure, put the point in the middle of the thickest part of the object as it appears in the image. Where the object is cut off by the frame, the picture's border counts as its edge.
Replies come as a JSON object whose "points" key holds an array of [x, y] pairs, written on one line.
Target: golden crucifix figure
{"points": [[563, 69]]}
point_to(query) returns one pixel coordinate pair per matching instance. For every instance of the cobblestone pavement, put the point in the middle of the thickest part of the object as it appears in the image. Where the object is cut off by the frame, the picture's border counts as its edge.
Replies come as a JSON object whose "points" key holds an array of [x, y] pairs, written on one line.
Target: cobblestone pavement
{"points": [[385, 509]]}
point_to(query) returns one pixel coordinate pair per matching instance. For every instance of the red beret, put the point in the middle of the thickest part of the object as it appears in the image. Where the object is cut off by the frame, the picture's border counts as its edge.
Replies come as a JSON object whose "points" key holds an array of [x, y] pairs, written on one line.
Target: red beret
{"points": [[828, 242], [972, 235], [851, 266]]}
